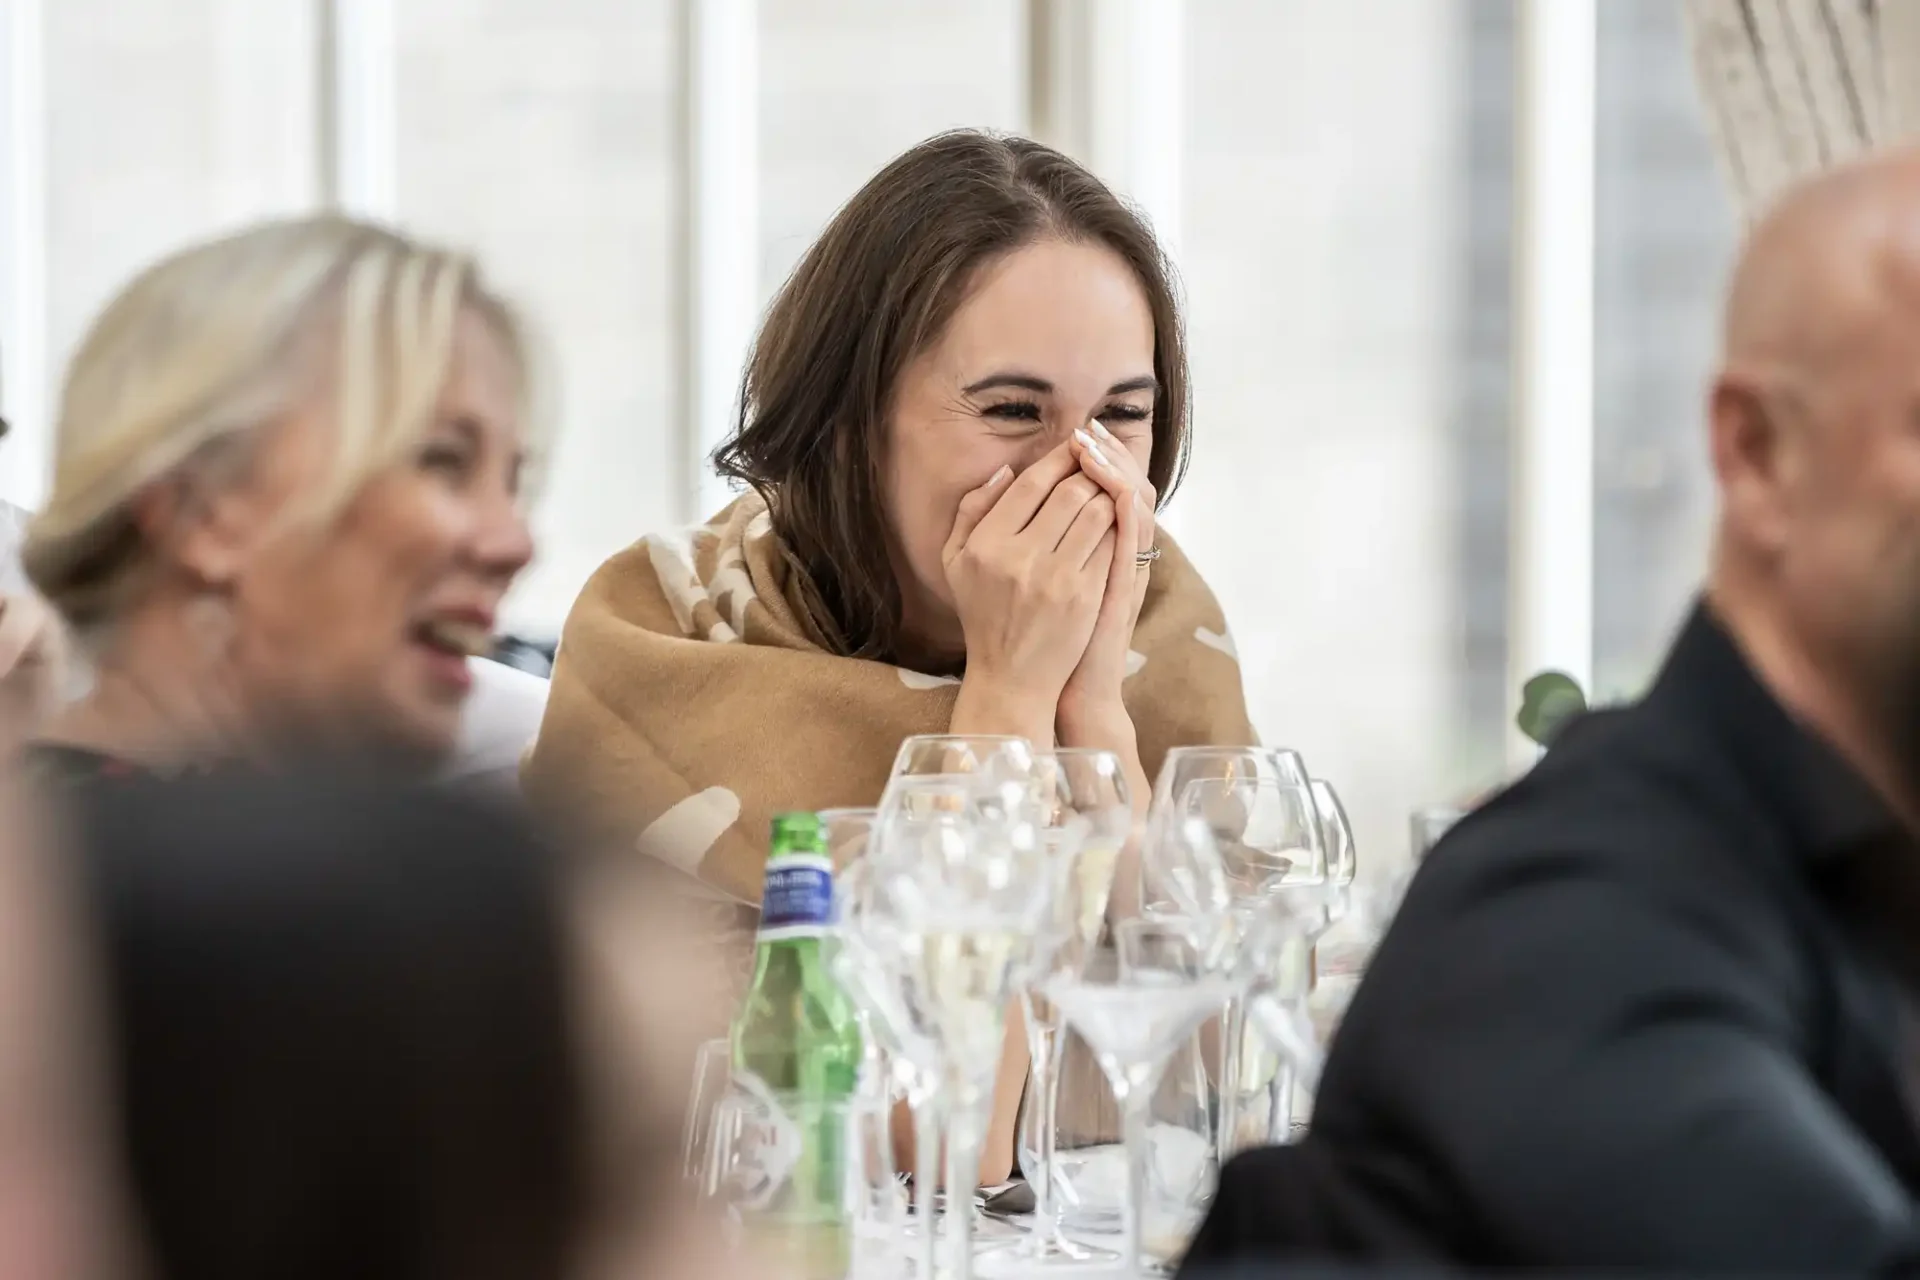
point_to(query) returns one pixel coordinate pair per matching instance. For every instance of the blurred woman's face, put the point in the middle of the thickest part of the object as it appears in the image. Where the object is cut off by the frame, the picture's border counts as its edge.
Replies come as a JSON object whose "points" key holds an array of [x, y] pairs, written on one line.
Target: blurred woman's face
{"points": [[1050, 337], [361, 631]]}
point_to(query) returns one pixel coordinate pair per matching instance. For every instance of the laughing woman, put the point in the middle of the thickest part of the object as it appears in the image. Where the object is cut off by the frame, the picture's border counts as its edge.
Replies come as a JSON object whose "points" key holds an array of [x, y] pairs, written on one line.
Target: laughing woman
{"points": [[959, 418]]}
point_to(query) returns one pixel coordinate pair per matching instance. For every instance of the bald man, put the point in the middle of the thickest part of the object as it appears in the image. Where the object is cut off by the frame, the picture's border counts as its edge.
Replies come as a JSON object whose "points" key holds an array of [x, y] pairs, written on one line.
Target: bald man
{"points": [[1657, 1006]]}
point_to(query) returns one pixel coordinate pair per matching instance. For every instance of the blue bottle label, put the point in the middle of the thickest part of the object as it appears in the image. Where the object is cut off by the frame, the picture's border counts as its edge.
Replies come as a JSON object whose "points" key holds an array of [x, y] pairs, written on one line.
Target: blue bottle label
{"points": [[798, 899]]}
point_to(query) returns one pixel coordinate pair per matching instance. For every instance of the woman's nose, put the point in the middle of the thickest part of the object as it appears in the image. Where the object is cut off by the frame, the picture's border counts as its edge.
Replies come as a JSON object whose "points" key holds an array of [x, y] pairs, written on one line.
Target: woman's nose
{"points": [[503, 541], [1039, 445]]}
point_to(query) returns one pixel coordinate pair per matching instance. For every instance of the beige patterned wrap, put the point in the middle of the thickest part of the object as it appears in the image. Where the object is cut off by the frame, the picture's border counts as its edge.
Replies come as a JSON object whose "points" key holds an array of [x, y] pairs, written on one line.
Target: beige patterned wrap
{"points": [[692, 700]]}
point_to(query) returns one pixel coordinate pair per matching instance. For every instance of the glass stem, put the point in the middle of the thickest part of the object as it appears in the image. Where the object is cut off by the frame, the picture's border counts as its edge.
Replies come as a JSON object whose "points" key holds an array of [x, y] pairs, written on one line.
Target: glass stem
{"points": [[1042, 1042], [963, 1173], [927, 1133], [1233, 1031], [1135, 1107], [1280, 1127]]}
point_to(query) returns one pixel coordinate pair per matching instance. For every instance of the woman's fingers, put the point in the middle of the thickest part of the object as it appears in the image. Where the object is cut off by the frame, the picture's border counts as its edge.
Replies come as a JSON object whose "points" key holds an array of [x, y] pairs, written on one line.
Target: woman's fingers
{"points": [[1029, 493], [1122, 572], [973, 509], [1099, 463], [1093, 524], [1063, 506], [1108, 461]]}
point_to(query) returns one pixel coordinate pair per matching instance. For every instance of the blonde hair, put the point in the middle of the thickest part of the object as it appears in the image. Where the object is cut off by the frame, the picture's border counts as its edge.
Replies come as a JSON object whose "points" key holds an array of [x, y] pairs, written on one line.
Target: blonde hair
{"points": [[206, 350]]}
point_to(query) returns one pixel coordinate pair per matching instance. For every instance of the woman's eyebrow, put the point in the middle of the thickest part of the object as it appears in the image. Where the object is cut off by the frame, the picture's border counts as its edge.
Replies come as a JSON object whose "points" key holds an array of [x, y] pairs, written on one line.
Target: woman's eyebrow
{"points": [[1021, 381], [1028, 382]]}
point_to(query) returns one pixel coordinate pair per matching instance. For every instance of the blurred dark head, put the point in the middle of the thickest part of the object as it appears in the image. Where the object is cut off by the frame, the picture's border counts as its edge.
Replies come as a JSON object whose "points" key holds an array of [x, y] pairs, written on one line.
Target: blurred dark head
{"points": [[342, 1041]]}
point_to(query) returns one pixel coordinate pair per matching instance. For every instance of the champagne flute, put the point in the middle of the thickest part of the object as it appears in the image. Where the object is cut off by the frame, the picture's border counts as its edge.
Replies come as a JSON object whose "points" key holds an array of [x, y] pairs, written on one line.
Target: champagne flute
{"points": [[962, 863], [871, 963], [954, 757]]}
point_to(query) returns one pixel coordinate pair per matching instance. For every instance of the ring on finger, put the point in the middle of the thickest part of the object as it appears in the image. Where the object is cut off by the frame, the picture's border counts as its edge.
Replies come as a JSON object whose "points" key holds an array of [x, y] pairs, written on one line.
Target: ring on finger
{"points": [[1141, 559]]}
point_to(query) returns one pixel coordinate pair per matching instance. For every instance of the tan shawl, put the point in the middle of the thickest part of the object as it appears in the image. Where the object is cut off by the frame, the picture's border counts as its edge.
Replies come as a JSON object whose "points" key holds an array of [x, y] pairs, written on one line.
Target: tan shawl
{"points": [[690, 705]]}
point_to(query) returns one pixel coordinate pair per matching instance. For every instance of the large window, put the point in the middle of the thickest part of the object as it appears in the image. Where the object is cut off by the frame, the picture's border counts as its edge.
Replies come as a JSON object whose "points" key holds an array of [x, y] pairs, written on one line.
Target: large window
{"points": [[1342, 177], [164, 120], [1666, 234], [543, 136], [1328, 223]]}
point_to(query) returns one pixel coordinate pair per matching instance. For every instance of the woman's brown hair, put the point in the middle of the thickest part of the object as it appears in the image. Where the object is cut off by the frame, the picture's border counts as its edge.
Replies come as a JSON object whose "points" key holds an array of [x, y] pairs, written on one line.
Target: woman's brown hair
{"points": [[874, 291]]}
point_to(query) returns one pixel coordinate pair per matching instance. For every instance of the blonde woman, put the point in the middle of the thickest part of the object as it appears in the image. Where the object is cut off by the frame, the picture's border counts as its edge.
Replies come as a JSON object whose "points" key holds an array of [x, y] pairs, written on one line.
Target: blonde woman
{"points": [[286, 502]]}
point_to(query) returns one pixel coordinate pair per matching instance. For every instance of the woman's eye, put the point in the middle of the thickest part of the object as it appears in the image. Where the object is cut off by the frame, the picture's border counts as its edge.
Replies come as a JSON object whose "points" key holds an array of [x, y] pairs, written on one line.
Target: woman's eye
{"points": [[449, 459], [1015, 411], [1125, 413]]}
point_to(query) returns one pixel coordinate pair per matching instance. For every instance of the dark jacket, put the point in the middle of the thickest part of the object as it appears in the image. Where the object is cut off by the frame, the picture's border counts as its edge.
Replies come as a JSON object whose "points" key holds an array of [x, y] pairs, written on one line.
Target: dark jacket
{"points": [[1645, 1009]]}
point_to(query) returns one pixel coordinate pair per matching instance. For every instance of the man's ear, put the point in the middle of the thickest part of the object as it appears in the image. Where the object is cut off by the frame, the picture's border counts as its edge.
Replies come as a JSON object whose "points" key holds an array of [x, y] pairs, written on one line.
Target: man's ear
{"points": [[1751, 444]]}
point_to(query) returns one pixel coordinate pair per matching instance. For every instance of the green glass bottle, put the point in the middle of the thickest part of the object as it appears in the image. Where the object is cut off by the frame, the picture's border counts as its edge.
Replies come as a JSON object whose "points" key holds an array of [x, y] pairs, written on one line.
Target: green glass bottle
{"points": [[797, 1045]]}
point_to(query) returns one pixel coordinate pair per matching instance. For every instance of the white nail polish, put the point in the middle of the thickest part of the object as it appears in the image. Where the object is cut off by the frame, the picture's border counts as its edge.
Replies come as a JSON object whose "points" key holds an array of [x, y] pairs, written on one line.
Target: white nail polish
{"points": [[1101, 427], [1093, 451], [1081, 438]]}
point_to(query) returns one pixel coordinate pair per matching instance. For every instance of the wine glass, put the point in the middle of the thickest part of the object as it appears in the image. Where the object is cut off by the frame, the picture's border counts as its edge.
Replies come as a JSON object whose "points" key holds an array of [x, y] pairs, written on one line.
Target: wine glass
{"points": [[871, 964], [1268, 831], [1318, 905], [994, 758], [1090, 817], [712, 1078], [1242, 792], [846, 833], [1258, 837], [1336, 834], [1134, 1006], [1184, 766], [887, 1070], [1274, 956], [1090, 1170]]}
